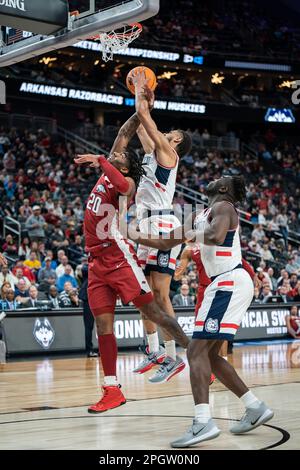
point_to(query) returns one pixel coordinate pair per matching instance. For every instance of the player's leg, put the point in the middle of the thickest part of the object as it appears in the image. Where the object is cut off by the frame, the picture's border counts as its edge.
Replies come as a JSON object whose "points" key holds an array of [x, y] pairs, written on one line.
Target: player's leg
{"points": [[224, 350], [203, 427], [154, 353], [257, 412], [102, 301], [172, 364]]}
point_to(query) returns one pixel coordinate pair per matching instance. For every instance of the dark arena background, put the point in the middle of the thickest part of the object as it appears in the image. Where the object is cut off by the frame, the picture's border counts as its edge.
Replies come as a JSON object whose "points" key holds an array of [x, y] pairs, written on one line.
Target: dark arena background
{"points": [[228, 74]]}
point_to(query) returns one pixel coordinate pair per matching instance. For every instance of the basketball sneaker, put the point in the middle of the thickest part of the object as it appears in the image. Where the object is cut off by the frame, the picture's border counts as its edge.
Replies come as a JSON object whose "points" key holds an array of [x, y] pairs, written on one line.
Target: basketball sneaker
{"points": [[167, 370], [112, 398], [151, 360], [198, 432], [253, 418], [212, 379]]}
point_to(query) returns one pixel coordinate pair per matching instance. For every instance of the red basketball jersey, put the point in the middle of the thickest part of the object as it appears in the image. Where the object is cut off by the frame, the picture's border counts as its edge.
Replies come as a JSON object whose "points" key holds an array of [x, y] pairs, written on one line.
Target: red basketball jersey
{"points": [[196, 257], [103, 202]]}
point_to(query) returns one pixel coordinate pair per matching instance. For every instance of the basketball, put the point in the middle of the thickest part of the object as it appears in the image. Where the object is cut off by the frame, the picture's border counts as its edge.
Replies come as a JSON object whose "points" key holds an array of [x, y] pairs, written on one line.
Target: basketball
{"points": [[150, 75]]}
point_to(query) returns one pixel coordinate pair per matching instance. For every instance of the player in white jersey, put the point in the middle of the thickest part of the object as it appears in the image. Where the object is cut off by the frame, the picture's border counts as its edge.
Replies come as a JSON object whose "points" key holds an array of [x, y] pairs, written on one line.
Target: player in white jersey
{"points": [[154, 201], [225, 302]]}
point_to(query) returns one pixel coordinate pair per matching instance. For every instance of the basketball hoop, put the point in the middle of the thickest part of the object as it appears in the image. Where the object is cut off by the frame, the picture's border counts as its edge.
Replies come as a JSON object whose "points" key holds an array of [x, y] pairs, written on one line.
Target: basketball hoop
{"points": [[114, 41]]}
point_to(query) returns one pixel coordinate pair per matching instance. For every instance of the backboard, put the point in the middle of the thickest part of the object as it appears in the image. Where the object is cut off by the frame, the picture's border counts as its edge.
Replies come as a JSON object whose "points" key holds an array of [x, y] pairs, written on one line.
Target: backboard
{"points": [[92, 16]]}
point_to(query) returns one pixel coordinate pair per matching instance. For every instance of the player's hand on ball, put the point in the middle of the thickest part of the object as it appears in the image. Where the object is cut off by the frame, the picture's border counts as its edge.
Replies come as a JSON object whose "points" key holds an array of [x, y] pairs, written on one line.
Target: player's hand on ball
{"points": [[3, 260], [88, 158], [150, 97], [139, 79]]}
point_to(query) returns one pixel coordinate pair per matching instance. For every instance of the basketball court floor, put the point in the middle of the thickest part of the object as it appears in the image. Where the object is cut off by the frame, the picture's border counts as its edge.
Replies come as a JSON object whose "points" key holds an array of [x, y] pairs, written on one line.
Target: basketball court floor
{"points": [[43, 403]]}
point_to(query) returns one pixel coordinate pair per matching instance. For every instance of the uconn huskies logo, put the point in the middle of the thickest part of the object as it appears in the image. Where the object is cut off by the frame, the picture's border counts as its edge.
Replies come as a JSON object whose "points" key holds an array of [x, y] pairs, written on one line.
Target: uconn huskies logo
{"points": [[212, 325], [43, 333]]}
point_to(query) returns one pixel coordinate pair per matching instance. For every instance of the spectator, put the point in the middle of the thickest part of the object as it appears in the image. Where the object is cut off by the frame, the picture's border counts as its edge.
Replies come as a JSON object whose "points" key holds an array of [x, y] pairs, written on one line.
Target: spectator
{"points": [[47, 276], [75, 301], [7, 276], [22, 290], [64, 296], [4, 289], [183, 299], [25, 210], [266, 253], [292, 266], [60, 270], [58, 238], [33, 263], [256, 296], [76, 250], [53, 264], [67, 277], [34, 298], [293, 322], [296, 297], [263, 278], [19, 277], [284, 275], [24, 249], [266, 293], [26, 272], [53, 297], [36, 225], [272, 279], [293, 280], [10, 247], [282, 222], [9, 303], [258, 233], [283, 293]]}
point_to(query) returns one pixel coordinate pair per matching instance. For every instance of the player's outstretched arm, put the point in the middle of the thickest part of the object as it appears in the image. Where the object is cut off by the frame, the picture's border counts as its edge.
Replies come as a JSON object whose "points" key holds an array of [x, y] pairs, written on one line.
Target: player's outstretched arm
{"points": [[143, 97], [164, 242], [125, 134], [124, 185], [147, 143], [185, 259]]}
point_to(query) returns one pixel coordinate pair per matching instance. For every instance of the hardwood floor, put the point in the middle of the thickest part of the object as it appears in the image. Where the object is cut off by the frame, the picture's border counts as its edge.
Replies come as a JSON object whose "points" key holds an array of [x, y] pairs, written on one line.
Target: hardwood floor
{"points": [[43, 403]]}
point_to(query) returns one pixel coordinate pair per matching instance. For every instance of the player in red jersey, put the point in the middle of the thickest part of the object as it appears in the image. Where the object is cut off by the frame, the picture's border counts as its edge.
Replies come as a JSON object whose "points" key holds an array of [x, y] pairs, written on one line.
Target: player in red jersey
{"points": [[113, 265], [192, 253]]}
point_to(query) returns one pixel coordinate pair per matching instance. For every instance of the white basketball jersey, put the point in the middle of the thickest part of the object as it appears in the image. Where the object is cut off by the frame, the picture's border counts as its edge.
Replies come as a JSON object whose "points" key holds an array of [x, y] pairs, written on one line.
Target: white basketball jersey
{"points": [[156, 189], [218, 259]]}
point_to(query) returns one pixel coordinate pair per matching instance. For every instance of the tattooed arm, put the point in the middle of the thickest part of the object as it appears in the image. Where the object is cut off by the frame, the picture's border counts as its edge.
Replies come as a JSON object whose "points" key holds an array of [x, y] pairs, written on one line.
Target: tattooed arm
{"points": [[125, 134]]}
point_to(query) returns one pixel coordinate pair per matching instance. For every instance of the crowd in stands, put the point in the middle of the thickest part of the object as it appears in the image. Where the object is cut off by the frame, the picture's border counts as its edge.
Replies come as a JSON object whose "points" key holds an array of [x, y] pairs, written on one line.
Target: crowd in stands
{"points": [[45, 191], [227, 27]]}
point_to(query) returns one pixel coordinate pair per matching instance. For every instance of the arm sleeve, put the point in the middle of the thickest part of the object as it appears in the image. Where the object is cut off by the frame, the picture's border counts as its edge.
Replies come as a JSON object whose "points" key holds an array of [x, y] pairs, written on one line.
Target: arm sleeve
{"points": [[115, 176]]}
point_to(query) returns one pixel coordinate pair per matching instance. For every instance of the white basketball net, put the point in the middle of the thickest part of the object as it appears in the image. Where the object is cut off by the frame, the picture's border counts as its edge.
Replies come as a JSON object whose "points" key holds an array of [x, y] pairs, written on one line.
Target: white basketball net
{"points": [[114, 41]]}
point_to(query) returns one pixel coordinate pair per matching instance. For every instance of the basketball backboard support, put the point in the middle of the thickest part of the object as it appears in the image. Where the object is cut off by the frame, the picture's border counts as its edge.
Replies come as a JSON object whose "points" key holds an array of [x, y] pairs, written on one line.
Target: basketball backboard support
{"points": [[94, 16]]}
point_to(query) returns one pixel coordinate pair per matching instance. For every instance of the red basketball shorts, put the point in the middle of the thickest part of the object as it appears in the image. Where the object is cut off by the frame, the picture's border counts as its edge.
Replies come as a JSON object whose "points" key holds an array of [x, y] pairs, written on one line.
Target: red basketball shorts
{"points": [[200, 297], [115, 272]]}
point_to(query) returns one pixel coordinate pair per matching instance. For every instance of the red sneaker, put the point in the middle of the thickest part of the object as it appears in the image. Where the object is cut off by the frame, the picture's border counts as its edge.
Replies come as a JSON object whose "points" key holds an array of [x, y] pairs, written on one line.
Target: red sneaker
{"points": [[212, 379], [112, 398]]}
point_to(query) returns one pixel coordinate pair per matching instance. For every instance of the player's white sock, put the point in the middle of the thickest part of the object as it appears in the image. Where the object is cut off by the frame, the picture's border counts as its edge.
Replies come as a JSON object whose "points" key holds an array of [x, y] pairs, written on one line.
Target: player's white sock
{"points": [[110, 380], [225, 357], [170, 347], [202, 413], [250, 400], [153, 342]]}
